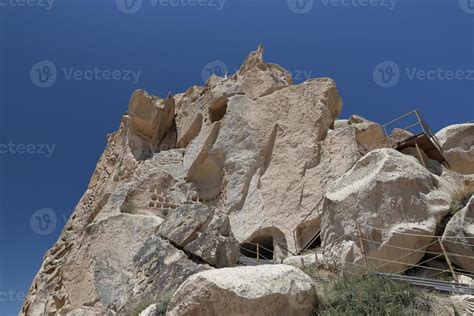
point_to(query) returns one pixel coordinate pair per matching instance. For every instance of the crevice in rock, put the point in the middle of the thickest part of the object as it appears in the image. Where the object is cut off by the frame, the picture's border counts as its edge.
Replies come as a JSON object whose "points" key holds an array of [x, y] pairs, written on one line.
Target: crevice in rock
{"points": [[170, 139], [265, 160], [272, 90], [98, 208], [267, 151], [218, 110], [194, 258]]}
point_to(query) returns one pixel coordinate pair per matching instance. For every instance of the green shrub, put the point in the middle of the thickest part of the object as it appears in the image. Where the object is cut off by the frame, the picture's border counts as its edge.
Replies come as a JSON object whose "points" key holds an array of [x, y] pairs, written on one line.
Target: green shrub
{"points": [[372, 295], [311, 270]]}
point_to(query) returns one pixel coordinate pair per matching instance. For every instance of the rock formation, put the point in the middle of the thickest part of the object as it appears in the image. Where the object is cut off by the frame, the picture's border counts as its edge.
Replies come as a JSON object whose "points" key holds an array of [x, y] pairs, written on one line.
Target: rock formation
{"points": [[246, 165], [457, 142], [262, 290], [458, 237], [388, 194]]}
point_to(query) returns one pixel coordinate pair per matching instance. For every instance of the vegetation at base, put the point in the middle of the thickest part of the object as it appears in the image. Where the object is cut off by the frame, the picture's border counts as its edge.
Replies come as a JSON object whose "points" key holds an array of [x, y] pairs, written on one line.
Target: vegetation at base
{"points": [[372, 295], [461, 197], [162, 303]]}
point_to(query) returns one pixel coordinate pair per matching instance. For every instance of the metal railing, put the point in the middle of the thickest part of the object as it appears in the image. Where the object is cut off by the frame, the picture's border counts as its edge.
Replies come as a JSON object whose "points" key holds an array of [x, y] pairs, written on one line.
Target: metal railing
{"points": [[416, 127]]}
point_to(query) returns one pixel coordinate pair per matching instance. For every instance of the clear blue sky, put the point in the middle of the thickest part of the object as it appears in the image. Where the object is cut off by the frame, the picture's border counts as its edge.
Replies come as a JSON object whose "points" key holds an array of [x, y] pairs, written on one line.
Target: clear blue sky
{"points": [[167, 44]]}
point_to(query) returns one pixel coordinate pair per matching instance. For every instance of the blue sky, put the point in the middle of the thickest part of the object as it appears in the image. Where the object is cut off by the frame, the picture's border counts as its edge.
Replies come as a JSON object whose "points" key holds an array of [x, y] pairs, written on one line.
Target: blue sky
{"points": [[68, 68]]}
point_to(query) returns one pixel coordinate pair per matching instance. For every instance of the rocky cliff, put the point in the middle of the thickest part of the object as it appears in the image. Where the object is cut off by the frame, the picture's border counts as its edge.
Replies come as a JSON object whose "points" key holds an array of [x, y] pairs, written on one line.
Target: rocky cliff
{"points": [[189, 183]]}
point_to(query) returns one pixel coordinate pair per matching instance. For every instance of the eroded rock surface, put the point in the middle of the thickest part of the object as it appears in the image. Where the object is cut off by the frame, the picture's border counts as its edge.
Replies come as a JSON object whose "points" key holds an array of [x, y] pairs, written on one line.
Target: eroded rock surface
{"points": [[457, 142], [203, 232], [252, 159], [262, 290], [458, 237], [246, 148], [388, 194]]}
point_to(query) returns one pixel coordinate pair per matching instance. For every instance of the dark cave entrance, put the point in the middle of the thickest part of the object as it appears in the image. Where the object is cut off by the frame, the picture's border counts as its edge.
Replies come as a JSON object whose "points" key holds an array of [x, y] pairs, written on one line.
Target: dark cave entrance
{"points": [[265, 247]]}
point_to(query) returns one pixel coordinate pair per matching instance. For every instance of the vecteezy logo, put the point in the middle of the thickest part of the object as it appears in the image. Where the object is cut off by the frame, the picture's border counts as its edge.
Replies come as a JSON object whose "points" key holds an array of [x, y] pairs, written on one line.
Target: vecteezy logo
{"points": [[386, 74], [43, 74], [467, 6], [217, 68], [129, 6], [43, 221], [300, 6]]}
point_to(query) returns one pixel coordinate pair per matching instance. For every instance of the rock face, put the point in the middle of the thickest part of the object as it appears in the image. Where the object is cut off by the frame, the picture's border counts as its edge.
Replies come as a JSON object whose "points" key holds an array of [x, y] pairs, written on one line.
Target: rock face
{"points": [[457, 142], [244, 152], [458, 237], [386, 193], [262, 290], [189, 181], [203, 232]]}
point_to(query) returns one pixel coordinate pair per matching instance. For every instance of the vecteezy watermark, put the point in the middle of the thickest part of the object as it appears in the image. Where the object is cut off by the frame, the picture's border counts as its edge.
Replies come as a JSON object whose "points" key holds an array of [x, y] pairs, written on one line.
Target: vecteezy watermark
{"points": [[46, 4], [44, 74], [305, 6], [300, 6], [27, 149], [12, 296], [389, 4], [43, 221], [467, 6], [387, 74], [219, 68], [133, 6]]}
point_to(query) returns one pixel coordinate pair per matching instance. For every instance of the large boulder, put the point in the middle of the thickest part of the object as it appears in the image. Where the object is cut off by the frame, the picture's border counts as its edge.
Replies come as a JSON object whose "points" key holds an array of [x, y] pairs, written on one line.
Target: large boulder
{"points": [[458, 237], [395, 203], [204, 232], [457, 142], [260, 290]]}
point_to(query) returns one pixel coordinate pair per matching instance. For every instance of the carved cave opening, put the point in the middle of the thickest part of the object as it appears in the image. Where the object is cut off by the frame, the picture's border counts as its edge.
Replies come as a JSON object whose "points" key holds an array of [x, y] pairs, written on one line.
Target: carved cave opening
{"points": [[307, 234], [271, 243], [265, 245]]}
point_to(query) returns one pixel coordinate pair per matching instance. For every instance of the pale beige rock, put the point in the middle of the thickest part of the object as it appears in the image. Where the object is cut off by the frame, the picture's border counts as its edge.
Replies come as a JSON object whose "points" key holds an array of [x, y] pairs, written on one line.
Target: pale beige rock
{"points": [[152, 310], [306, 260], [269, 145], [87, 311], [458, 237], [338, 153], [369, 135], [204, 232], [340, 123], [457, 142], [388, 194], [151, 120], [259, 290], [253, 147]]}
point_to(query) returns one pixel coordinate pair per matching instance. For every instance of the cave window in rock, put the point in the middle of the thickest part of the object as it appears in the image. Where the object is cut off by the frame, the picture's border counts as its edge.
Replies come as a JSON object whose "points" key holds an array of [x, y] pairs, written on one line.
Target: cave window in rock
{"points": [[308, 235], [218, 110], [271, 243], [265, 245]]}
